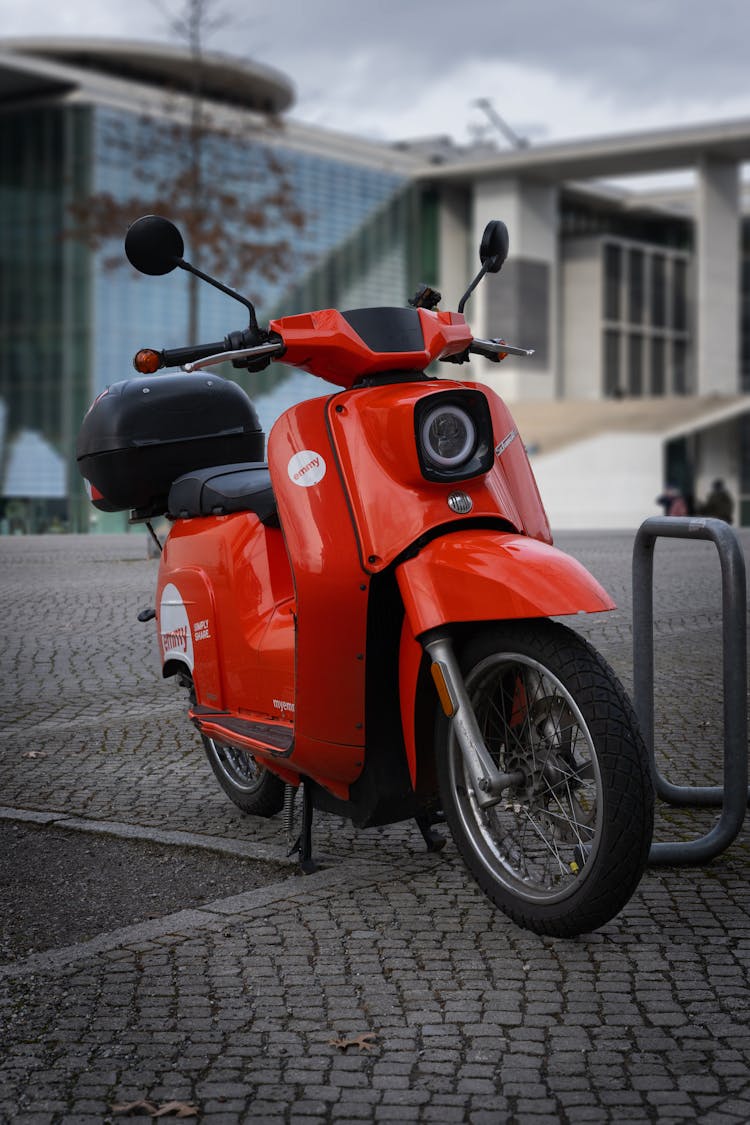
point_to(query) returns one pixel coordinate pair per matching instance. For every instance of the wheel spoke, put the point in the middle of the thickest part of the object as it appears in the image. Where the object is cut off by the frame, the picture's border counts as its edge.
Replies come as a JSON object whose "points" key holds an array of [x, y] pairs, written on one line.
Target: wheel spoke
{"points": [[238, 766], [245, 780], [531, 725], [564, 818], [562, 848], [550, 845]]}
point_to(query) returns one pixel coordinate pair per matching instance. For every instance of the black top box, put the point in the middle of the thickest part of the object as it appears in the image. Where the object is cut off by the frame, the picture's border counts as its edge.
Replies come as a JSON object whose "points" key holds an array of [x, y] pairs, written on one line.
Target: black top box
{"points": [[140, 435]]}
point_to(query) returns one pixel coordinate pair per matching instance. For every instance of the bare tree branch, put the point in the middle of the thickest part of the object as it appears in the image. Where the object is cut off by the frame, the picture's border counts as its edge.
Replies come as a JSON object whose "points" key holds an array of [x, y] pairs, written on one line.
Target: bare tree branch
{"points": [[239, 221]]}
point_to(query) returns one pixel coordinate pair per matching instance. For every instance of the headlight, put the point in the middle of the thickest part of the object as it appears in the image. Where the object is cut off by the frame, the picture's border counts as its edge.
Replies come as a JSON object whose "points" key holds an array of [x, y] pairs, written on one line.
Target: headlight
{"points": [[448, 436], [454, 435]]}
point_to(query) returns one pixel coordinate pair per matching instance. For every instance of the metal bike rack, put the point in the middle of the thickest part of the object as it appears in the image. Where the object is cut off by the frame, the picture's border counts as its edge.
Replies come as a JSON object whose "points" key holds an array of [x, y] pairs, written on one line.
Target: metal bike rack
{"points": [[733, 795]]}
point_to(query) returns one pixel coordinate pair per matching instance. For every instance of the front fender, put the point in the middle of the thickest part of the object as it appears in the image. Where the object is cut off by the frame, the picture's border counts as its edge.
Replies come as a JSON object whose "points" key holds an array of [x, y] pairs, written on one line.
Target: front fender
{"points": [[485, 575]]}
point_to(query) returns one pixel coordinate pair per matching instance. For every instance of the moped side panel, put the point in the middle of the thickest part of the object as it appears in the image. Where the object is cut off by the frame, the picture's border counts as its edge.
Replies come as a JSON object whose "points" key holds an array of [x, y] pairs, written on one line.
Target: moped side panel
{"points": [[480, 575], [331, 591], [187, 627], [391, 502], [231, 576]]}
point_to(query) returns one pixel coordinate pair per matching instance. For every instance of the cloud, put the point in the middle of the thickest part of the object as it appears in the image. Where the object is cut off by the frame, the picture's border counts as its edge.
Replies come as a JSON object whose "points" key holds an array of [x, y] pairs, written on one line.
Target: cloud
{"points": [[397, 69], [537, 104], [637, 49]]}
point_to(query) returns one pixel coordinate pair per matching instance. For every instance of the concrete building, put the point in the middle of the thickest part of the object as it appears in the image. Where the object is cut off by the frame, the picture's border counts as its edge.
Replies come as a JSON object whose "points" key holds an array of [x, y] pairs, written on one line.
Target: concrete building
{"points": [[636, 300]]}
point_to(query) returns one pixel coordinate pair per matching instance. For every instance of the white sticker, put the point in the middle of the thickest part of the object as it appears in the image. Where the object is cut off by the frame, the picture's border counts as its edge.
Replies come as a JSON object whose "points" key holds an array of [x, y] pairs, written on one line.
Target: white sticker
{"points": [[174, 627], [306, 468]]}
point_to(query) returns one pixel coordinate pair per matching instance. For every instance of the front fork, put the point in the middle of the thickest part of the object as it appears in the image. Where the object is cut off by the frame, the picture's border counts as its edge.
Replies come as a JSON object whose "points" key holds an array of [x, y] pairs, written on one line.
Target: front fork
{"points": [[488, 781]]}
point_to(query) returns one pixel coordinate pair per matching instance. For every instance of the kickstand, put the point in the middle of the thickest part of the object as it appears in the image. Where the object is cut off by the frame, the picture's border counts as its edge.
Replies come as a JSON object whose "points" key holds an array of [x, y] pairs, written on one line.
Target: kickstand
{"points": [[434, 841], [303, 846]]}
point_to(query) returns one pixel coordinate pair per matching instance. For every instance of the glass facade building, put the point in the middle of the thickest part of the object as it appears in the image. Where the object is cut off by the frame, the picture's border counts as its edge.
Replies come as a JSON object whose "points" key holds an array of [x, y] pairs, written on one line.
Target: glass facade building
{"points": [[45, 290], [69, 321]]}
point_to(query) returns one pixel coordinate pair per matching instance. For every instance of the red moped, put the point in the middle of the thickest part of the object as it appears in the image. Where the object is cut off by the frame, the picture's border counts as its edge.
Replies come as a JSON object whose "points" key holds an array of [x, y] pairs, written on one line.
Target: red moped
{"points": [[364, 610]]}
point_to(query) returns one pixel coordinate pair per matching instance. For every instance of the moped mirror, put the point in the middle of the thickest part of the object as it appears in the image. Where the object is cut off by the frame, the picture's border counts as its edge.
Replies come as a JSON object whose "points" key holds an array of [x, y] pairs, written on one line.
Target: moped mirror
{"points": [[493, 249], [153, 245]]}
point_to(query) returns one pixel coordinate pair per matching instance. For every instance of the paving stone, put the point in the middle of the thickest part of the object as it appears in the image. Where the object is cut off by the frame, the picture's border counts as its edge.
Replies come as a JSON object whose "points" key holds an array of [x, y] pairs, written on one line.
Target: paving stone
{"points": [[234, 1007]]}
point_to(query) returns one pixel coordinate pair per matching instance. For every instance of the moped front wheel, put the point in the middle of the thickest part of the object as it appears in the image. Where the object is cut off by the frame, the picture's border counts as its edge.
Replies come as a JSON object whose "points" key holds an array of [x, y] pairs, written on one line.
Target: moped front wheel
{"points": [[244, 780], [563, 849]]}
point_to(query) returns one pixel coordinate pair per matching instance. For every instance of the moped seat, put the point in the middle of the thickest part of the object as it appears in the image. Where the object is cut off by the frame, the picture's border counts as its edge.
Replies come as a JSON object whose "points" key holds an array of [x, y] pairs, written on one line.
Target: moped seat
{"points": [[223, 489]]}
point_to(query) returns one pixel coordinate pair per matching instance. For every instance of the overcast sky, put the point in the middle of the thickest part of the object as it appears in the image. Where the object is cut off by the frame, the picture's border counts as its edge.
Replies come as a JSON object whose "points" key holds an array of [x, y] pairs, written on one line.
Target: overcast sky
{"points": [[400, 68]]}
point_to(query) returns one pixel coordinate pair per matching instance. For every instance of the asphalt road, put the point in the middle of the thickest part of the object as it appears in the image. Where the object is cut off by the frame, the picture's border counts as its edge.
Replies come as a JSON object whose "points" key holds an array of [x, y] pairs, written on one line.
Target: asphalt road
{"points": [[236, 996]]}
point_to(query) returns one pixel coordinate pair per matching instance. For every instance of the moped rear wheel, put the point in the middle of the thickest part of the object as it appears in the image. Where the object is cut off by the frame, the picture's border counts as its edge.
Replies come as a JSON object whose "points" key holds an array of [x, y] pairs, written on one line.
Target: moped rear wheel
{"points": [[562, 850], [244, 780]]}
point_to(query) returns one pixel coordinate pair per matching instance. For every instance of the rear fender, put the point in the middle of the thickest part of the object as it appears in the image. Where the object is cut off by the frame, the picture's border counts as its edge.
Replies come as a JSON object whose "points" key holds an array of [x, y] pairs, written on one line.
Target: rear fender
{"points": [[485, 575]]}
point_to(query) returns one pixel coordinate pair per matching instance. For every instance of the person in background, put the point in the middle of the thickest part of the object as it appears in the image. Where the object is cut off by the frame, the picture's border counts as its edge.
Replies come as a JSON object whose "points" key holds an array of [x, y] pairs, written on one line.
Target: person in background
{"points": [[672, 501], [719, 502]]}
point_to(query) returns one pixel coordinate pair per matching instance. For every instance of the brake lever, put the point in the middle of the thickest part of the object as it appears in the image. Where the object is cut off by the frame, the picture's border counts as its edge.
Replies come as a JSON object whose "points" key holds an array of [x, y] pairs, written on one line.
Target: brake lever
{"points": [[493, 349], [260, 350]]}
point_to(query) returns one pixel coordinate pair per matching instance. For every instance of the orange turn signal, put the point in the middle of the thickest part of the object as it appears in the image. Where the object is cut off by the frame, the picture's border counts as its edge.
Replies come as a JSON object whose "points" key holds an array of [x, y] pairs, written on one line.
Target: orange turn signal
{"points": [[444, 692], [147, 361]]}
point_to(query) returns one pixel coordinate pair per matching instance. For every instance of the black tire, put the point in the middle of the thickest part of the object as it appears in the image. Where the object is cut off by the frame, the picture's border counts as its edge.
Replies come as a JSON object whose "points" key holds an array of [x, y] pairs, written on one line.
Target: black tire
{"points": [[562, 851], [244, 780]]}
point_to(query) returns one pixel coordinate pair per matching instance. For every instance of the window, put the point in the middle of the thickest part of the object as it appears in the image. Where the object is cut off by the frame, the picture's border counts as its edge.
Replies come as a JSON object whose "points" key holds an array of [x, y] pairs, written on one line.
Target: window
{"points": [[659, 291], [612, 388], [635, 364], [679, 364], [636, 287], [679, 295], [657, 366], [612, 277], [646, 320]]}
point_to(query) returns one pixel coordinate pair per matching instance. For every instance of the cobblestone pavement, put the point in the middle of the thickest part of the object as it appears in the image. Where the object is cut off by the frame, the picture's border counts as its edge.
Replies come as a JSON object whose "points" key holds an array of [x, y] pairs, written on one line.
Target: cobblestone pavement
{"points": [[232, 1006]]}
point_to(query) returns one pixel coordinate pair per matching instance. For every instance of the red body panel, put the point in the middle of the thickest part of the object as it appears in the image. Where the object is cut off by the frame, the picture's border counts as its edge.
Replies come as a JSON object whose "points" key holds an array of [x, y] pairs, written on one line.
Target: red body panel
{"points": [[391, 502], [233, 577], [512, 461], [325, 344], [482, 575], [331, 592]]}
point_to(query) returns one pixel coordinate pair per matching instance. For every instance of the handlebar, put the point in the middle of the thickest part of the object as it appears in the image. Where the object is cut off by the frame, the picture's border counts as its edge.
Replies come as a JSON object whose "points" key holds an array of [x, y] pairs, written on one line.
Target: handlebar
{"points": [[197, 356], [176, 357], [242, 350], [148, 360]]}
